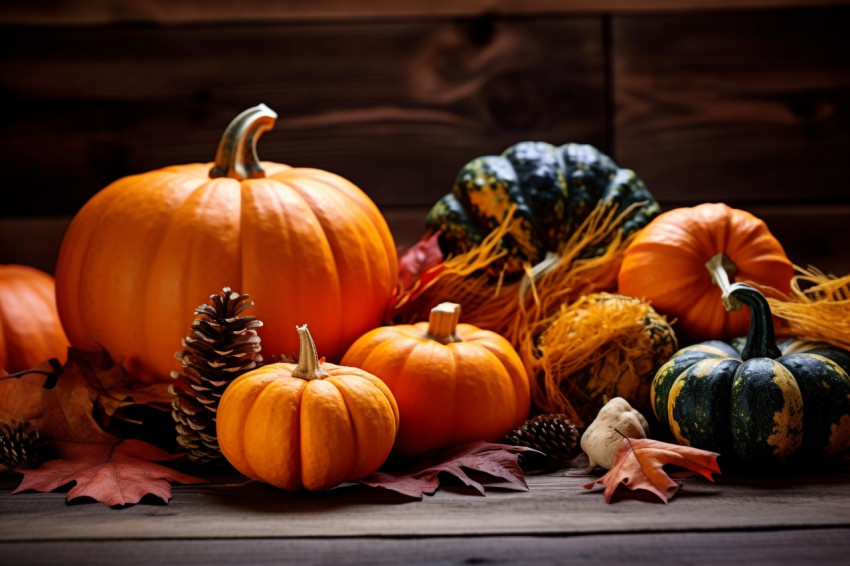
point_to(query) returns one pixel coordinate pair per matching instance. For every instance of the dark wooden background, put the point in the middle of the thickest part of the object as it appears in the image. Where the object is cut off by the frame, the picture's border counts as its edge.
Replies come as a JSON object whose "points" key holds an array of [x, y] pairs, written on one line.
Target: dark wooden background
{"points": [[745, 102]]}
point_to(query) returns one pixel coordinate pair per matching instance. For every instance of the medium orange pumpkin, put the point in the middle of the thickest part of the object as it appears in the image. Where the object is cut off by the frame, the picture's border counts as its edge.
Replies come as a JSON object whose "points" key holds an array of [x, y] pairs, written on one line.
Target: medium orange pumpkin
{"points": [[673, 261], [453, 383], [30, 331], [312, 425], [145, 251]]}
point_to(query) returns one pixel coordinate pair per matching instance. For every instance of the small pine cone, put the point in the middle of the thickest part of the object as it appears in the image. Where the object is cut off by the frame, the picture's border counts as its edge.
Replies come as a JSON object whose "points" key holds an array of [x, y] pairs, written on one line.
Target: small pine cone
{"points": [[18, 445], [220, 347], [554, 435]]}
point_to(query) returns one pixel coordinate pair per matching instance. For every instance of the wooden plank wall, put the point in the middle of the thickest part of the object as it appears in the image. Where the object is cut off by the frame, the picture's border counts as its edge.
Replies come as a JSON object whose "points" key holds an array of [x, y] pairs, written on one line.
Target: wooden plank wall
{"points": [[742, 102]]}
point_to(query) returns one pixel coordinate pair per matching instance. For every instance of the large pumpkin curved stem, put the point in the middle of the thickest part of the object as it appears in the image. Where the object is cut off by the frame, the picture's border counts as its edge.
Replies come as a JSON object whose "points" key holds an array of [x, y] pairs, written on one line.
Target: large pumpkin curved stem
{"points": [[761, 342], [237, 152], [309, 367], [442, 323], [721, 269]]}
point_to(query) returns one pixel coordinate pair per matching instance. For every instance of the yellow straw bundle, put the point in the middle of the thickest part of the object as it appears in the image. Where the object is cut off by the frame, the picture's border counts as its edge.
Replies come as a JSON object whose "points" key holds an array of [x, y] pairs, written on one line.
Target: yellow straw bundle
{"points": [[818, 308]]}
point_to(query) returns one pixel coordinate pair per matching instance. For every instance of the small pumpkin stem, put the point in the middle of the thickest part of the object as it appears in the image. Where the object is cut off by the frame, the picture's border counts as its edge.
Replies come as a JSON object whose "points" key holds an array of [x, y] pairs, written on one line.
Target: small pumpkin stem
{"points": [[237, 152], [309, 367], [761, 341], [721, 269], [442, 323]]}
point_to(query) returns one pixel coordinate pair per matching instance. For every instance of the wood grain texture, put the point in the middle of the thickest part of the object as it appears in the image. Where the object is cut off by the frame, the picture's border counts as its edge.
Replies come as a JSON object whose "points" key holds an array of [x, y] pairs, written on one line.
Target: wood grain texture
{"points": [[741, 108], [88, 12], [397, 107], [556, 505], [825, 547]]}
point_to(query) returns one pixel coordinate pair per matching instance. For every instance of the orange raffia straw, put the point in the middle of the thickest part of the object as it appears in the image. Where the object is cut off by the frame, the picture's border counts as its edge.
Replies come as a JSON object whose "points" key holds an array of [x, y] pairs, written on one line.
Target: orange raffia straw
{"points": [[818, 308], [522, 310]]}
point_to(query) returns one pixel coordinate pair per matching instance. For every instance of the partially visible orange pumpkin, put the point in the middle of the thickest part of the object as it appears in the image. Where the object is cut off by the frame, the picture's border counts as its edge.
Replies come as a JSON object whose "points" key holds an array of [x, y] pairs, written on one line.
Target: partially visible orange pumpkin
{"points": [[453, 383], [30, 331], [312, 425], [668, 264], [143, 253]]}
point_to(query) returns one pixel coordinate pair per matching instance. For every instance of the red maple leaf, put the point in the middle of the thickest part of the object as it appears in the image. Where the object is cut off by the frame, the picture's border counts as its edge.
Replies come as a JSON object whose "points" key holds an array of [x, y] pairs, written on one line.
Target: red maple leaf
{"points": [[415, 260], [116, 473], [639, 466], [422, 476]]}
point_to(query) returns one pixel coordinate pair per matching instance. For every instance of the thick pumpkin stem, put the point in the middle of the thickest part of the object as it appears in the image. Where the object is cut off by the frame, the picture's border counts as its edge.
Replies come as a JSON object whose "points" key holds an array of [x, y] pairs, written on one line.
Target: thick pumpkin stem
{"points": [[761, 341], [237, 152], [309, 367], [721, 269], [442, 323]]}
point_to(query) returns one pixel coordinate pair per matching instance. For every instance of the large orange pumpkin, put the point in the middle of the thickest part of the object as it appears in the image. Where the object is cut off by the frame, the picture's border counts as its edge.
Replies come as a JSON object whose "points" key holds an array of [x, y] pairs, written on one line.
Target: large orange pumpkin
{"points": [[307, 245], [673, 261], [453, 383], [30, 331], [312, 425]]}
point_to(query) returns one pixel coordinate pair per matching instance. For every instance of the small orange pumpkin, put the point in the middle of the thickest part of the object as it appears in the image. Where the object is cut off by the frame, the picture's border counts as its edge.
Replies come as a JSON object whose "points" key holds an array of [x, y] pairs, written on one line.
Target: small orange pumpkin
{"points": [[453, 383], [30, 331], [675, 259], [308, 246], [312, 425]]}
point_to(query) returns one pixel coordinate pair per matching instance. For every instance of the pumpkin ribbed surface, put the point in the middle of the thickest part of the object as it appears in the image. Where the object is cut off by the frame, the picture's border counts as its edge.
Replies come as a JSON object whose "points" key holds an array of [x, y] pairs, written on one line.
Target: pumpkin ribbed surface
{"points": [[316, 433], [666, 265], [142, 254], [30, 331], [471, 388]]}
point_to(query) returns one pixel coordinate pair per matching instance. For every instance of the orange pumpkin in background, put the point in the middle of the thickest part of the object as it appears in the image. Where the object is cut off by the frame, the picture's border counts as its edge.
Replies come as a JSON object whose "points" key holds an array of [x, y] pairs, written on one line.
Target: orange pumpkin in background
{"points": [[673, 261], [30, 331], [312, 425], [143, 253], [454, 383]]}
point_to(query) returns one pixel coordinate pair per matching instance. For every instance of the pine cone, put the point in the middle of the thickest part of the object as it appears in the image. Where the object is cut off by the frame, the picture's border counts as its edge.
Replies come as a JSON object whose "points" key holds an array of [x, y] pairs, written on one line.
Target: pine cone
{"points": [[220, 347], [18, 445], [554, 435]]}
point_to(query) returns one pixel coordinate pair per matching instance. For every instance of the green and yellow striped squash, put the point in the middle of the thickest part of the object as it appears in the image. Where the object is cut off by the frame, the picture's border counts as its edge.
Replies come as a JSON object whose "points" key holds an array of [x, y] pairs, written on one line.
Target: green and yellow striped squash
{"points": [[553, 188], [761, 404]]}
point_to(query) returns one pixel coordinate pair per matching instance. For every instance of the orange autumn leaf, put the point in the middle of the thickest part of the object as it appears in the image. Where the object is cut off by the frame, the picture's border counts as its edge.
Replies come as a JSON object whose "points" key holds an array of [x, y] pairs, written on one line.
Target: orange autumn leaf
{"points": [[116, 472], [639, 466]]}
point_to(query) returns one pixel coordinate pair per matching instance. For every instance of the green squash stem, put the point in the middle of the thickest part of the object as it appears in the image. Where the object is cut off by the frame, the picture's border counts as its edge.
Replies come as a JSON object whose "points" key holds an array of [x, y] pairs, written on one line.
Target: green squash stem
{"points": [[761, 341], [309, 367], [237, 152]]}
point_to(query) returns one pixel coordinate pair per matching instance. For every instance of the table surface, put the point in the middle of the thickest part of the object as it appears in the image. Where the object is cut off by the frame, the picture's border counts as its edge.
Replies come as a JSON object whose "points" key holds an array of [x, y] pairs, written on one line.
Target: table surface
{"points": [[792, 518]]}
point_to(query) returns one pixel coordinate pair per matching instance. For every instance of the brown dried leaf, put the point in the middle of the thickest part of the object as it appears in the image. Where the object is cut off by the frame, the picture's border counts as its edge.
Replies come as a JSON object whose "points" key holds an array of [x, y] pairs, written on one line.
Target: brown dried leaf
{"points": [[422, 475], [118, 472], [108, 380], [59, 405]]}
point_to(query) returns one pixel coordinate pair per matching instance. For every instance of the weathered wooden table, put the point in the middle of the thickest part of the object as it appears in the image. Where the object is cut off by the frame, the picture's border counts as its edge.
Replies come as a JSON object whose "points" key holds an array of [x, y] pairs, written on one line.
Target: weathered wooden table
{"points": [[787, 519]]}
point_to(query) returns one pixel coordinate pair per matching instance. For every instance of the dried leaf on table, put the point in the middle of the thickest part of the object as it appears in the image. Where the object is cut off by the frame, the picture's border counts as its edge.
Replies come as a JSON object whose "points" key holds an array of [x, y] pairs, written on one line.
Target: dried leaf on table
{"points": [[117, 472], [639, 466], [421, 476], [58, 405], [108, 380]]}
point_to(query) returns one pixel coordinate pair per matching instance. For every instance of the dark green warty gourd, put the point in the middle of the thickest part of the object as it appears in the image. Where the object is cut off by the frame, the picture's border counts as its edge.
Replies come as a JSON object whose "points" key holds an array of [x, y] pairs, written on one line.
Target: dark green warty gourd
{"points": [[758, 404], [554, 190]]}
